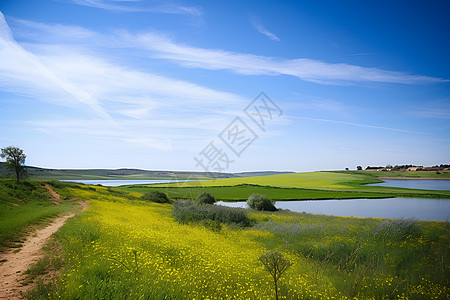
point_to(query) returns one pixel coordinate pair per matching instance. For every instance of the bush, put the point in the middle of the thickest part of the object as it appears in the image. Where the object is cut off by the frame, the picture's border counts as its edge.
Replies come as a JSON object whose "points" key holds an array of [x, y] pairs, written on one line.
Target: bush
{"points": [[156, 196], [205, 198], [212, 225], [261, 202], [188, 212]]}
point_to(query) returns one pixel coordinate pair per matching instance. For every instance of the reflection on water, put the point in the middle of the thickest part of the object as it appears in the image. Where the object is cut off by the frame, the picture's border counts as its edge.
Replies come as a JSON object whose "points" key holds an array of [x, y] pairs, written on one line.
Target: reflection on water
{"points": [[425, 184], [418, 208]]}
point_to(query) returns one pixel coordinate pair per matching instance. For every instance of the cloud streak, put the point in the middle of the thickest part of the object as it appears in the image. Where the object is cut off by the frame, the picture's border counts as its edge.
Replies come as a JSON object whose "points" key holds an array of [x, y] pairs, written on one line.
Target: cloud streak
{"points": [[130, 6], [357, 124], [122, 103], [21, 66], [258, 26], [435, 110], [248, 64], [159, 46]]}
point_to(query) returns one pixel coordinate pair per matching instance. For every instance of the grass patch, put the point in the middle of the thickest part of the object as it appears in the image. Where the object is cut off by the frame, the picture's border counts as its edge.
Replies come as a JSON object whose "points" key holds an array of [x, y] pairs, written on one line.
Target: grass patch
{"points": [[243, 191], [25, 205], [121, 248], [315, 180]]}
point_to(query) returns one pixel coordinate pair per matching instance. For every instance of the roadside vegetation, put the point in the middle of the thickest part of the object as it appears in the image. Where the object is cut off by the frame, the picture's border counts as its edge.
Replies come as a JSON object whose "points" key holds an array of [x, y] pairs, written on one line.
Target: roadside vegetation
{"points": [[24, 205], [124, 247]]}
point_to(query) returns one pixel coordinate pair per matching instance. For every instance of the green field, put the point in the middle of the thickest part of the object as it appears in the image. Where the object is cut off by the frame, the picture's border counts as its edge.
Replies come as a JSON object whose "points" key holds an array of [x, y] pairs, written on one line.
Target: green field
{"points": [[241, 192], [314, 180], [295, 186], [121, 247], [124, 248]]}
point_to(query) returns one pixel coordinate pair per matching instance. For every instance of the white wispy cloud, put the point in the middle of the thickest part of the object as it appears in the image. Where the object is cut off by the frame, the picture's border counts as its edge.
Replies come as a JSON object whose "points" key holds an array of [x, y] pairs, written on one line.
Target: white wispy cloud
{"points": [[435, 109], [58, 65], [21, 67], [157, 45], [356, 124], [258, 26], [63, 65], [250, 64], [109, 95], [318, 104], [136, 6]]}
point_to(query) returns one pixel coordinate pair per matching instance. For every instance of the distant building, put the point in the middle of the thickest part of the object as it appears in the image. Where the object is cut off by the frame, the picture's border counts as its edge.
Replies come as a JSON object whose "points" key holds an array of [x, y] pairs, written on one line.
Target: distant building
{"points": [[413, 168], [431, 169], [369, 168]]}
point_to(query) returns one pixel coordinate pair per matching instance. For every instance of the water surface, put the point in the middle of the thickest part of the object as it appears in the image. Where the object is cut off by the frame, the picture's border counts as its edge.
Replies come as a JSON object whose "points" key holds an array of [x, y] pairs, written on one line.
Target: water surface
{"points": [[418, 208], [425, 184]]}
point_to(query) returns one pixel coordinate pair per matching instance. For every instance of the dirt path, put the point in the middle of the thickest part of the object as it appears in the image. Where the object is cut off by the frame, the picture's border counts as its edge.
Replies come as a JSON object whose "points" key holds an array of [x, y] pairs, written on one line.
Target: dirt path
{"points": [[55, 196], [13, 265]]}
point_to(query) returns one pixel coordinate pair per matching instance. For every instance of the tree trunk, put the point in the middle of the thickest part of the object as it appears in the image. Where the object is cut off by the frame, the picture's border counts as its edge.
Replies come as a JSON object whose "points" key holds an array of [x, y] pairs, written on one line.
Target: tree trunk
{"points": [[276, 290], [17, 175]]}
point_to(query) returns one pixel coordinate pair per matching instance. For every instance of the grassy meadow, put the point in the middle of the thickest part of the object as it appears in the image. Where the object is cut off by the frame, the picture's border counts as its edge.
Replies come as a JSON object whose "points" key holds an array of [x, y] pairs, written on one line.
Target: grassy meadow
{"points": [[24, 205], [294, 186], [124, 248]]}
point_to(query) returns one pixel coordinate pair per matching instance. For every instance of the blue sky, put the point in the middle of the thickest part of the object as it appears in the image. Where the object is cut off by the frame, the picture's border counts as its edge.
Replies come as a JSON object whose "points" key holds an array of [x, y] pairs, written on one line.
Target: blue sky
{"points": [[151, 84]]}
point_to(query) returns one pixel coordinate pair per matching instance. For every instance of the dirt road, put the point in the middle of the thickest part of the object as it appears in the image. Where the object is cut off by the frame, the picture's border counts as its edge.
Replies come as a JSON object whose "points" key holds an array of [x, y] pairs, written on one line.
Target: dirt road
{"points": [[14, 264]]}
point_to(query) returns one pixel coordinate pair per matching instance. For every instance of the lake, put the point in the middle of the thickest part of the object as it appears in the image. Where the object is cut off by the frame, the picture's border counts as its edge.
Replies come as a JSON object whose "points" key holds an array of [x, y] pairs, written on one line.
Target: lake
{"points": [[118, 182], [418, 208], [425, 184]]}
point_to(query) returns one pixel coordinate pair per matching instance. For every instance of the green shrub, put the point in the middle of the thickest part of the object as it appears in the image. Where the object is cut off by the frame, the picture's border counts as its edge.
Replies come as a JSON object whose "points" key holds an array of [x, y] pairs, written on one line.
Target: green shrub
{"points": [[261, 202], [156, 196], [186, 211], [205, 198], [211, 225]]}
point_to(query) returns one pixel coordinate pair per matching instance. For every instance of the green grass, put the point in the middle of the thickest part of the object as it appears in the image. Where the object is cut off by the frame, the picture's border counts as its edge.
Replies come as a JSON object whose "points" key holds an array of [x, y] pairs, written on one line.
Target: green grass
{"points": [[315, 180], [295, 186], [24, 205], [242, 192], [121, 248]]}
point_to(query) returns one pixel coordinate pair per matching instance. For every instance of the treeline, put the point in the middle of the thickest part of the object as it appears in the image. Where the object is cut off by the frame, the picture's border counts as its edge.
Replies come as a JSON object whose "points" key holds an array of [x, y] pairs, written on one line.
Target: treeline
{"points": [[406, 167]]}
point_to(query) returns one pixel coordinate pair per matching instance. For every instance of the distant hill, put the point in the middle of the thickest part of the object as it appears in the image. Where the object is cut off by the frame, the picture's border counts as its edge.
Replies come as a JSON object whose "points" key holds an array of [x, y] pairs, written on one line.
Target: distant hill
{"points": [[67, 174]]}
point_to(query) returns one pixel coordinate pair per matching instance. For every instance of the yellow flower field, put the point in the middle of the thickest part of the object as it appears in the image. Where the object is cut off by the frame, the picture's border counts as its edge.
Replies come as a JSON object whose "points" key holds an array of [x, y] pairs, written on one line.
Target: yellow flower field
{"points": [[129, 249]]}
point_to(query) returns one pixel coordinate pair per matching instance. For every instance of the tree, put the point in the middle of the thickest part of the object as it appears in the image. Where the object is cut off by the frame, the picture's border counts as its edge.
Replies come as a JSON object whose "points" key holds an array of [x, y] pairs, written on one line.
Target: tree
{"points": [[156, 196], [15, 158], [205, 198], [261, 202], [359, 168], [276, 265]]}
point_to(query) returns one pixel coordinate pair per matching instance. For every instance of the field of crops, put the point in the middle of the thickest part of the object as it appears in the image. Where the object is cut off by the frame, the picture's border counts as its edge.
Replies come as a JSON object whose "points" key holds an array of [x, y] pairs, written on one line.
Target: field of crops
{"points": [[242, 192], [316, 180], [313, 185], [121, 247]]}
